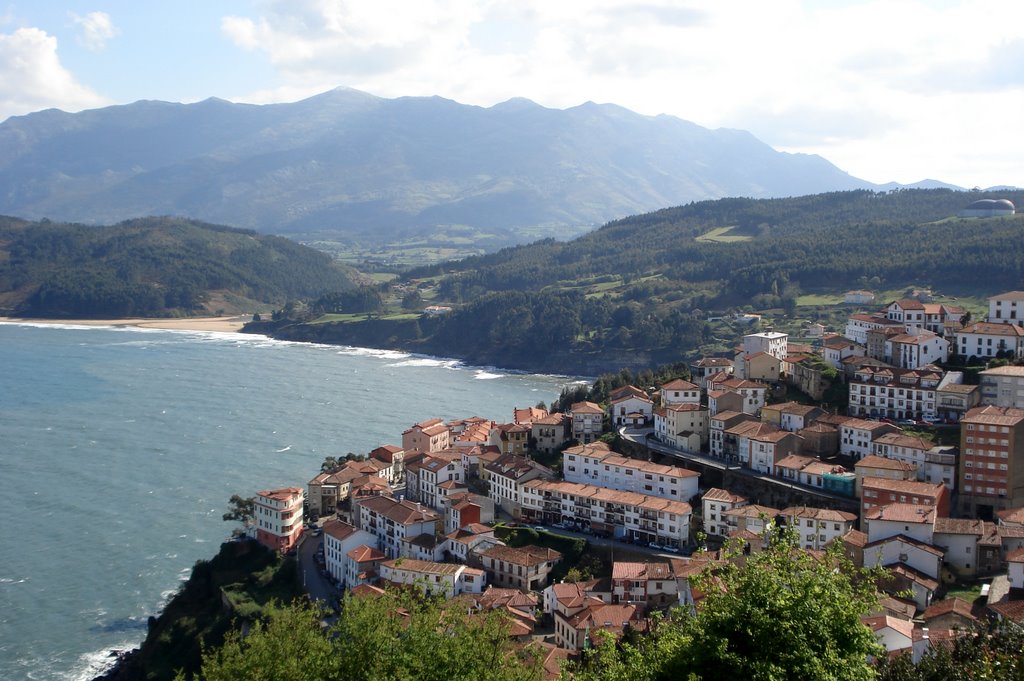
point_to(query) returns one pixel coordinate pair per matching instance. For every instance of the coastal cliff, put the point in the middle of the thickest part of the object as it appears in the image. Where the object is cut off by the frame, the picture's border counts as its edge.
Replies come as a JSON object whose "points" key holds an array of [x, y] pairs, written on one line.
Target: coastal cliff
{"points": [[406, 335], [222, 593]]}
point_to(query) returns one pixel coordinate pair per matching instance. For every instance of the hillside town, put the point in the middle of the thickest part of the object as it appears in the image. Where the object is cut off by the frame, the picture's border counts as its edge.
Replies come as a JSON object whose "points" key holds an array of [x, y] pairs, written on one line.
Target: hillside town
{"points": [[922, 475]]}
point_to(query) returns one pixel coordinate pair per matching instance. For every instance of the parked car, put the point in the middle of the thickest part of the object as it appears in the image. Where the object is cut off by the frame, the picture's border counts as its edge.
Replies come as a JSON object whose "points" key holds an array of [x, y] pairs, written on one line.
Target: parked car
{"points": [[655, 546], [540, 528], [906, 422]]}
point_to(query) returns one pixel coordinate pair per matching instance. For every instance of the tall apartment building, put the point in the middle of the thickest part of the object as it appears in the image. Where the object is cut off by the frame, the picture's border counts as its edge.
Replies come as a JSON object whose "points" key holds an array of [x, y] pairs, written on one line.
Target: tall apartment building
{"points": [[991, 474]]}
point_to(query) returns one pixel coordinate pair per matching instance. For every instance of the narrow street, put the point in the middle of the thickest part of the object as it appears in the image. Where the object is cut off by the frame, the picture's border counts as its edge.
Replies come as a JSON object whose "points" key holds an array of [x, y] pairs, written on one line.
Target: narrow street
{"points": [[314, 582]]}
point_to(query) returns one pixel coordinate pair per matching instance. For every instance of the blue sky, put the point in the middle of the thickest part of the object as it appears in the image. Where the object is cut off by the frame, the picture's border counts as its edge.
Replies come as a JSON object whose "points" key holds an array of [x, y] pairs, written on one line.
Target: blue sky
{"points": [[885, 89]]}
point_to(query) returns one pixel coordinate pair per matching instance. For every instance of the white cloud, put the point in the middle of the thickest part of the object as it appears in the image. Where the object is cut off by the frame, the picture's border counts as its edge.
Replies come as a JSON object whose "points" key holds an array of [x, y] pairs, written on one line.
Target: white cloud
{"points": [[33, 77], [874, 86], [95, 29]]}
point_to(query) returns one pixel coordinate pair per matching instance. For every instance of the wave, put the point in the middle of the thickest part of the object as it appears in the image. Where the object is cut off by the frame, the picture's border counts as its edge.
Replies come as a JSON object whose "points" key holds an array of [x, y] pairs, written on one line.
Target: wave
{"points": [[371, 352], [285, 449], [428, 362], [93, 664], [121, 624], [484, 375]]}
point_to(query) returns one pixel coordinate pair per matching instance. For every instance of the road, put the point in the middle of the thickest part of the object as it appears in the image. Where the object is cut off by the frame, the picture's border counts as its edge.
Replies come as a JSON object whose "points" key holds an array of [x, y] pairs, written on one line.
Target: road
{"points": [[313, 581]]}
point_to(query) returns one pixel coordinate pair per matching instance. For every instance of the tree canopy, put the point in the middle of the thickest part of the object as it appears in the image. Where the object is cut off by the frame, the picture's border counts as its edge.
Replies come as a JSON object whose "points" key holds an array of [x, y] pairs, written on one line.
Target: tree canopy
{"points": [[396, 636], [784, 614]]}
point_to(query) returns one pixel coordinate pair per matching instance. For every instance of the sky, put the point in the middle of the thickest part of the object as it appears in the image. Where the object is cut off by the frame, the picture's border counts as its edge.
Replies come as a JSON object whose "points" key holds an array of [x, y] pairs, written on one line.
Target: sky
{"points": [[887, 90]]}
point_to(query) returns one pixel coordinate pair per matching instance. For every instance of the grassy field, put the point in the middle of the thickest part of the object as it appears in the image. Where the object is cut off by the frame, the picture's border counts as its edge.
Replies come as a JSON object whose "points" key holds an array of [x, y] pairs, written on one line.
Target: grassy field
{"points": [[720, 235]]}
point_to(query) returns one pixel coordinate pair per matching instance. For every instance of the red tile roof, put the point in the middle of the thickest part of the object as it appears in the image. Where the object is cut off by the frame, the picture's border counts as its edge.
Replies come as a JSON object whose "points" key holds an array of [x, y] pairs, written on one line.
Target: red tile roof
{"points": [[364, 553], [884, 463], [949, 605], [902, 513], [716, 494]]}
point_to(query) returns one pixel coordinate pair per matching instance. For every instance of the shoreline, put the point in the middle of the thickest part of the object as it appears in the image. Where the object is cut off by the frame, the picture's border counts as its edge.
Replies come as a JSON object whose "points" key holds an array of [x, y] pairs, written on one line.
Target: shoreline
{"points": [[234, 324], [220, 324]]}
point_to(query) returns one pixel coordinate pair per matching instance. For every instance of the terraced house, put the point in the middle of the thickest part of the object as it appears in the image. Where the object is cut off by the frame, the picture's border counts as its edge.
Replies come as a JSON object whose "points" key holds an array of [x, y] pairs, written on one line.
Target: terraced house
{"points": [[598, 465], [637, 517]]}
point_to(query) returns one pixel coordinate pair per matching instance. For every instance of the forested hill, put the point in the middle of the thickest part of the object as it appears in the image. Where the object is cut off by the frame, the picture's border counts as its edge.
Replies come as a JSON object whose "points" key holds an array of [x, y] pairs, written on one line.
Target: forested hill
{"points": [[638, 292], [153, 267], [731, 249]]}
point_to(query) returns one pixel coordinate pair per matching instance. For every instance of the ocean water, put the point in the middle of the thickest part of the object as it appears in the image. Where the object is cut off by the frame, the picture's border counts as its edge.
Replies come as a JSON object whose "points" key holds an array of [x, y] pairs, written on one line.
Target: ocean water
{"points": [[119, 449]]}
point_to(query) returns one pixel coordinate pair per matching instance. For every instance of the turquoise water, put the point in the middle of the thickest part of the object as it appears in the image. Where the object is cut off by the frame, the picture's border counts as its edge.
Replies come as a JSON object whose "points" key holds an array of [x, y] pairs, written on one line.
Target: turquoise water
{"points": [[120, 448]]}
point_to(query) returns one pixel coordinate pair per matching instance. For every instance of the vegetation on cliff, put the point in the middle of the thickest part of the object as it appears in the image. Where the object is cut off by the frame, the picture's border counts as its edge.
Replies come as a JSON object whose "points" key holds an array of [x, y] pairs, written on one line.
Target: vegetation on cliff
{"points": [[240, 584]]}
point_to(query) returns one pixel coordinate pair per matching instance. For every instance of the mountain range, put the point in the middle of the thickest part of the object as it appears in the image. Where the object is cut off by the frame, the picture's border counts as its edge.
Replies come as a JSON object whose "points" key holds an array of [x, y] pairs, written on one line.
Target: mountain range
{"points": [[352, 167]]}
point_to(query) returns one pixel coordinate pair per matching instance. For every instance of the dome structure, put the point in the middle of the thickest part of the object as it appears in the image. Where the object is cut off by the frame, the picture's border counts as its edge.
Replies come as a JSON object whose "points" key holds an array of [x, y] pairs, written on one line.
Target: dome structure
{"points": [[988, 208]]}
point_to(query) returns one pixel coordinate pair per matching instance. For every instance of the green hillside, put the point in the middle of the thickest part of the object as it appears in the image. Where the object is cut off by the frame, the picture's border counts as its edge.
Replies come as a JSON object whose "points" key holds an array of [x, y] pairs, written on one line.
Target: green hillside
{"points": [[153, 267], [650, 289]]}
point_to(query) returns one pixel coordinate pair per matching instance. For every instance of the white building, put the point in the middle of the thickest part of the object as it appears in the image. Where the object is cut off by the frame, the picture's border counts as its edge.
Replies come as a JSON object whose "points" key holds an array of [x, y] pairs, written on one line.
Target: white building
{"points": [[684, 426], [987, 339], [754, 393], [856, 436], [587, 419], [837, 348], [721, 442], [1015, 571], [916, 350], [916, 521], [362, 565], [858, 297], [858, 325], [898, 393], [772, 343], [393, 522], [1007, 308], [816, 528], [507, 474], [629, 405], [444, 579], [435, 469], [277, 516], [642, 518], [595, 465], [715, 503], [679, 391], [339, 539]]}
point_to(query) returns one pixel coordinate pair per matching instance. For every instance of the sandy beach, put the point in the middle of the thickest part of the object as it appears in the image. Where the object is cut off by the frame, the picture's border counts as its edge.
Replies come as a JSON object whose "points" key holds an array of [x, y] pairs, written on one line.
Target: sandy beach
{"points": [[229, 324]]}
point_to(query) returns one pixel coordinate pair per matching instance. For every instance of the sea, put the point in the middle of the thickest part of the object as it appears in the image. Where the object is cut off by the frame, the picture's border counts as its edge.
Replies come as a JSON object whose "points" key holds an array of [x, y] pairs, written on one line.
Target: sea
{"points": [[119, 450]]}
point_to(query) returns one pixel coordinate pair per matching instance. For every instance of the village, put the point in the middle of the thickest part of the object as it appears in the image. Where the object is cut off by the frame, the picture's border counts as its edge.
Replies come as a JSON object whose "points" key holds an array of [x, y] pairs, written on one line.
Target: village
{"points": [[923, 476]]}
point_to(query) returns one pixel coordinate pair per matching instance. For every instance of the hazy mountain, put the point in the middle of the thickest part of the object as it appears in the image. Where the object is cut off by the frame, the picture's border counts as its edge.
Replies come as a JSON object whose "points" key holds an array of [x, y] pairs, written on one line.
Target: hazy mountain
{"points": [[348, 163]]}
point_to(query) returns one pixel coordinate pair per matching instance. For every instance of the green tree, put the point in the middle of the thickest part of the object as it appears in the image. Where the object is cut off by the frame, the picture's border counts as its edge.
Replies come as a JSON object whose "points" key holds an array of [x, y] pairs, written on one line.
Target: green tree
{"points": [[412, 300], [988, 651], [241, 510], [782, 614], [396, 636]]}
